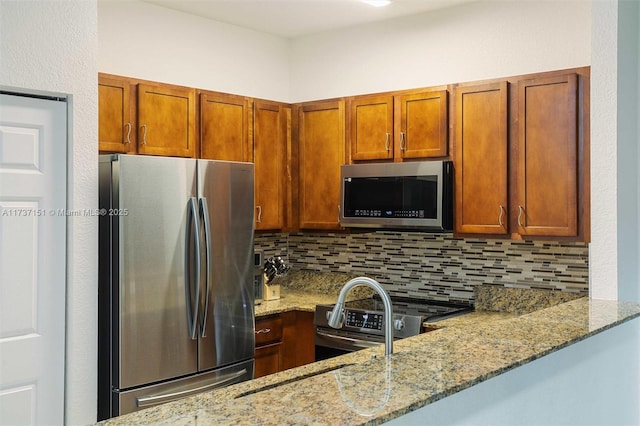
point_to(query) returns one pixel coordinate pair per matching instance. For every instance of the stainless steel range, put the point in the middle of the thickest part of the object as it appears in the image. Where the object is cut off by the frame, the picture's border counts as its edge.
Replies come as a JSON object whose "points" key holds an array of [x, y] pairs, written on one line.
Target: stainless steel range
{"points": [[364, 323]]}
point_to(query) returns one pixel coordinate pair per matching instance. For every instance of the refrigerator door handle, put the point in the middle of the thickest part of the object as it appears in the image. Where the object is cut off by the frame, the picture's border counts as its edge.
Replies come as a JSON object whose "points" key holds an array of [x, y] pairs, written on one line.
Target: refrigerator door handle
{"points": [[146, 401], [204, 211], [192, 309]]}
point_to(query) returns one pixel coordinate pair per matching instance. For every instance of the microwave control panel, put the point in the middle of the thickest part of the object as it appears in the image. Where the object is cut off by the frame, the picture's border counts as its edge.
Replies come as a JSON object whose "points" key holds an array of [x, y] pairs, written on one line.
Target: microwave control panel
{"points": [[419, 214]]}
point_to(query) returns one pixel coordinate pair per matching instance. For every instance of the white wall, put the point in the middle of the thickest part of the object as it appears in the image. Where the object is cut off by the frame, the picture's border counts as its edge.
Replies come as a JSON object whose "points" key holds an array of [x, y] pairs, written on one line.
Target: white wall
{"points": [[603, 253], [615, 183], [469, 42], [154, 43], [628, 177], [465, 43], [51, 46]]}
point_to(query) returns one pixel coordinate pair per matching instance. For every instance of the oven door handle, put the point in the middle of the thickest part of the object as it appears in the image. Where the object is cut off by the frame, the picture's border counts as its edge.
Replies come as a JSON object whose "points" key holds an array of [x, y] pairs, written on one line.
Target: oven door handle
{"points": [[358, 343]]}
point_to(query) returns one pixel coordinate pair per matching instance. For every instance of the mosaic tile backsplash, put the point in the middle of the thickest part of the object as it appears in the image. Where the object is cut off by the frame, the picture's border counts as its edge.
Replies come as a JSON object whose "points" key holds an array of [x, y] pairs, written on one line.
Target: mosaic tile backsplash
{"points": [[435, 266]]}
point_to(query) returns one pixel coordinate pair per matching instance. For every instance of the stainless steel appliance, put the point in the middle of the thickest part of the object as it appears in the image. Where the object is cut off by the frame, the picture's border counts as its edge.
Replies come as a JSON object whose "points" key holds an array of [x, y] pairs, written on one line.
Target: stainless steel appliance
{"points": [[258, 278], [176, 295], [397, 195], [364, 322]]}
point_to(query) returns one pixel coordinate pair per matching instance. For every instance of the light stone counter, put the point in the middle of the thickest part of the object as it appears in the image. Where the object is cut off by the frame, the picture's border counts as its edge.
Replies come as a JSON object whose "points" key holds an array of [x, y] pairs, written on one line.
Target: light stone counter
{"points": [[292, 300], [302, 291], [371, 388]]}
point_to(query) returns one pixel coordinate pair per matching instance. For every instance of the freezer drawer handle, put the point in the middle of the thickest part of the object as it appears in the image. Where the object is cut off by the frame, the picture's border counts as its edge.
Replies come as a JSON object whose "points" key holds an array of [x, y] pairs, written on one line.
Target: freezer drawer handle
{"points": [[146, 401]]}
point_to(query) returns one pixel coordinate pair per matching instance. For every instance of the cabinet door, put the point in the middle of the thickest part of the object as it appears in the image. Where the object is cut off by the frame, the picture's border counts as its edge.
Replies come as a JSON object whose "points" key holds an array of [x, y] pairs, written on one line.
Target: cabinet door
{"points": [[116, 126], [422, 127], [269, 155], [547, 196], [371, 124], [321, 152], [298, 338], [166, 120], [481, 159], [267, 360], [224, 127]]}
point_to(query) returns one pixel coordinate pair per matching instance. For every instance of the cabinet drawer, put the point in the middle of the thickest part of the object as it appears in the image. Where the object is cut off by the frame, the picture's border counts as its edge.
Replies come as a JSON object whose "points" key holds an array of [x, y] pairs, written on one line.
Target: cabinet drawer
{"points": [[268, 330]]}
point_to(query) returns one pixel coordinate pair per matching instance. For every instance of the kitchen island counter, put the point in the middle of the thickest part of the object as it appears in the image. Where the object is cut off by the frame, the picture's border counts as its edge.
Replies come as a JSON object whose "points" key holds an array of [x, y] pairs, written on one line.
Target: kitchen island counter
{"points": [[365, 387]]}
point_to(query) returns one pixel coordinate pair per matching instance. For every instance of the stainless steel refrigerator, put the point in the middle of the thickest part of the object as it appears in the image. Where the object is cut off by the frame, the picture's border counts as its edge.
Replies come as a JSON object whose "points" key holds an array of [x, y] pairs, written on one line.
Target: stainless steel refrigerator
{"points": [[176, 294]]}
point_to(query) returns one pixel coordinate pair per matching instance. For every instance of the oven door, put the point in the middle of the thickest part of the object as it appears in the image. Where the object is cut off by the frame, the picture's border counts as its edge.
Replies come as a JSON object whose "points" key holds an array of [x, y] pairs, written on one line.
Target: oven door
{"points": [[331, 342]]}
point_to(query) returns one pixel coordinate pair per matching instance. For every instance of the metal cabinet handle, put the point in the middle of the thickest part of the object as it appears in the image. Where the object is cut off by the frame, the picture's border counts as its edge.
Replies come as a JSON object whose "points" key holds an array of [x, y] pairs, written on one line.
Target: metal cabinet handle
{"points": [[259, 220], [501, 216], [520, 213], [386, 142], [338, 213], [402, 141], [263, 331], [128, 138], [144, 134]]}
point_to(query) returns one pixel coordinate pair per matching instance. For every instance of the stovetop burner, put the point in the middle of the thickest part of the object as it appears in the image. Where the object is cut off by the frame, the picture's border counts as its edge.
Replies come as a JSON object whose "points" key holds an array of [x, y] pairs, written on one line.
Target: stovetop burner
{"points": [[365, 317], [429, 310]]}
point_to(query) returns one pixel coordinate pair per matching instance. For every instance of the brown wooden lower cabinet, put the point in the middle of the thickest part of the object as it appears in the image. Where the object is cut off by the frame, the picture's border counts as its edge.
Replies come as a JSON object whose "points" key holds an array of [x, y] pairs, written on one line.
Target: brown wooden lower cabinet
{"points": [[268, 359], [284, 341]]}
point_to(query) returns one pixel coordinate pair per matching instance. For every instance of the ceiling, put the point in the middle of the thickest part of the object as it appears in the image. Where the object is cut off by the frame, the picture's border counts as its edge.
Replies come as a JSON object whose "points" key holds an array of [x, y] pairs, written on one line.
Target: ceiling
{"points": [[297, 18]]}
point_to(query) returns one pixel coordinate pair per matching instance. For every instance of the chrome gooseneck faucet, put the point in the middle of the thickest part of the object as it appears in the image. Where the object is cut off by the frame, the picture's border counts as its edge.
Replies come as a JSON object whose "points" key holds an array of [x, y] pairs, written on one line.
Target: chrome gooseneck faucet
{"points": [[336, 319]]}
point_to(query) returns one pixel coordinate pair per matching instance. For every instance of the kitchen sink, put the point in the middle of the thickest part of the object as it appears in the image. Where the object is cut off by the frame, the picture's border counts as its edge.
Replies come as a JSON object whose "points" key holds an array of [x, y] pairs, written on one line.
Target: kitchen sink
{"points": [[295, 379]]}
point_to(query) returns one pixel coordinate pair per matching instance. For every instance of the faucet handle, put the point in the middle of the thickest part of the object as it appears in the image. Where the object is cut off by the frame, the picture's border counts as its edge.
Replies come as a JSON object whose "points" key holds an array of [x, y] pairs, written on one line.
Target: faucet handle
{"points": [[340, 321]]}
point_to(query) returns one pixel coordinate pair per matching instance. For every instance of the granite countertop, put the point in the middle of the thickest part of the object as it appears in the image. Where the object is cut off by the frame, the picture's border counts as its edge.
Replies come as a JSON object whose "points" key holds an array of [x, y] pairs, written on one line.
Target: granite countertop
{"points": [[302, 291], [467, 350], [294, 300]]}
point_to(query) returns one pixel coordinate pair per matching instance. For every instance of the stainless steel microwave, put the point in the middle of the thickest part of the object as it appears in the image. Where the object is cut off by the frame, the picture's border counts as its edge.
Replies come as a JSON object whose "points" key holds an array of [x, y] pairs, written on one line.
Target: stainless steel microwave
{"points": [[397, 195]]}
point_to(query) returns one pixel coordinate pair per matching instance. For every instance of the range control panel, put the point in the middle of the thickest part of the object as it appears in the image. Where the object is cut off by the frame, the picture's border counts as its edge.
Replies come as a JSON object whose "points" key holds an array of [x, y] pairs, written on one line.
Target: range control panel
{"points": [[367, 320]]}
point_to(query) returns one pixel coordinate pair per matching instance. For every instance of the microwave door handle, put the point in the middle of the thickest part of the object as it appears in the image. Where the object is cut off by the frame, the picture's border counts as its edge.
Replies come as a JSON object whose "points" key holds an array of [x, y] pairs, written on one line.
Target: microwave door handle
{"points": [[204, 210]]}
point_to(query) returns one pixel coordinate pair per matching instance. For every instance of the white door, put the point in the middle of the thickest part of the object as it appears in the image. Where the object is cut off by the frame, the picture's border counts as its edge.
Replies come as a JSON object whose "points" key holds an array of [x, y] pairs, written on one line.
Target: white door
{"points": [[33, 152]]}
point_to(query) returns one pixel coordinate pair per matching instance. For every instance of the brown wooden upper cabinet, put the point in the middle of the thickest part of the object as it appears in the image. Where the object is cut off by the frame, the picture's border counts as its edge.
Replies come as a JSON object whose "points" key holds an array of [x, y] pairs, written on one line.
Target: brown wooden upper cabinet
{"points": [[422, 130], [371, 128], [166, 120], [224, 127], [321, 153], [270, 132], [547, 163], [403, 126], [116, 115], [482, 152], [527, 177]]}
